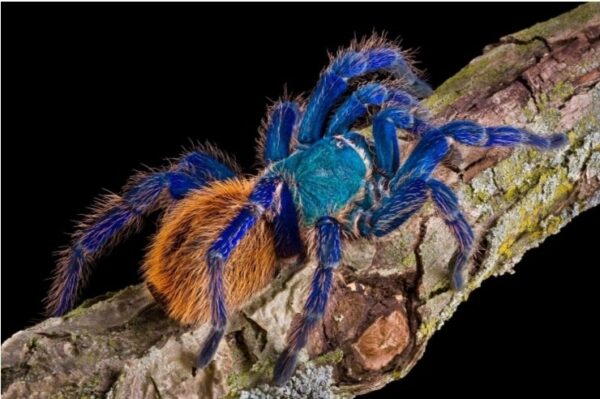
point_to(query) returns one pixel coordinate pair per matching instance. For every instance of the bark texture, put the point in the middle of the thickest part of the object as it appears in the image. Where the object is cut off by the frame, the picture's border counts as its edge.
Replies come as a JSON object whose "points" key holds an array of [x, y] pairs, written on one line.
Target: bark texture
{"points": [[391, 294]]}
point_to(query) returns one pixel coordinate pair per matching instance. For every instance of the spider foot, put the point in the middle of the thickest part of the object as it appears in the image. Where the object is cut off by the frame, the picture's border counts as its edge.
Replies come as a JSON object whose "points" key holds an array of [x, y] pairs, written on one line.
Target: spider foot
{"points": [[284, 368], [208, 350], [458, 280]]}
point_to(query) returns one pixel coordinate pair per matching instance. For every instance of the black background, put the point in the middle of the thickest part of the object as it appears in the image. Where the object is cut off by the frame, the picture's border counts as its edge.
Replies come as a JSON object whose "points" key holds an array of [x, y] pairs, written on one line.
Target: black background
{"points": [[91, 92]]}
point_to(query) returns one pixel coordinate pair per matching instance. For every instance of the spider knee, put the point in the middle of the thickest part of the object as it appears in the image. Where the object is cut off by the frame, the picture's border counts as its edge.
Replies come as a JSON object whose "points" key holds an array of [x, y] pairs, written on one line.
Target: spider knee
{"points": [[214, 258]]}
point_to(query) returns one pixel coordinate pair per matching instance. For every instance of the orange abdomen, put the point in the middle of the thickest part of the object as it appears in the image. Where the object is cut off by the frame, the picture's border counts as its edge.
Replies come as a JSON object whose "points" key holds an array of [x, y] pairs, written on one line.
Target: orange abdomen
{"points": [[176, 269]]}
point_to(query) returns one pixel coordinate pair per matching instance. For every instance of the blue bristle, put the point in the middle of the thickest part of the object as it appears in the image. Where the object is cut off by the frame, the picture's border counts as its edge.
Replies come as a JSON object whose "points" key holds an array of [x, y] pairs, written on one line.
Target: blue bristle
{"points": [[282, 122], [287, 233], [329, 88], [233, 233], [329, 246], [356, 105], [550, 142], [205, 167], [218, 314], [402, 99], [110, 224], [329, 251], [387, 149], [396, 209], [209, 348], [180, 184], [261, 199], [319, 292], [116, 216], [471, 133], [215, 262], [143, 195], [424, 158], [359, 140], [420, 127], [284, 367], [391, 59], [264, 191], [75, 263], [334, 82], [447, 203], [557, 140]]}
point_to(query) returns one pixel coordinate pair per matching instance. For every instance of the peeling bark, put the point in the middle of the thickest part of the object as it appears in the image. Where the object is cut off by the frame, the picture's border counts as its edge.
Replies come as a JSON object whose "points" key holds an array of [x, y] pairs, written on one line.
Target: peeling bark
{"points": [[392, 294]]}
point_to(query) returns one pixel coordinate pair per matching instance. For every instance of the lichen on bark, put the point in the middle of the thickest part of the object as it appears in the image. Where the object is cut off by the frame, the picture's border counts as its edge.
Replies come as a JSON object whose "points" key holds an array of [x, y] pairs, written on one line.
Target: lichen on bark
{"points": [[393, 291]]}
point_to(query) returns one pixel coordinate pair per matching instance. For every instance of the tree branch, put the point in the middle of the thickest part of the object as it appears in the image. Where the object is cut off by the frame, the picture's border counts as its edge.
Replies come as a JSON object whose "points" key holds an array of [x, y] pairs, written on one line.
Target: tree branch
{"points": [[391, 294]]}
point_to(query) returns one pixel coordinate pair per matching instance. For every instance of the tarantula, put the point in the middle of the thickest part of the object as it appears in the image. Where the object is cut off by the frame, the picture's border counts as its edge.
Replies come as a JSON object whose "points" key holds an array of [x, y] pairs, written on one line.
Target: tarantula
{"points": [[322, 182]]}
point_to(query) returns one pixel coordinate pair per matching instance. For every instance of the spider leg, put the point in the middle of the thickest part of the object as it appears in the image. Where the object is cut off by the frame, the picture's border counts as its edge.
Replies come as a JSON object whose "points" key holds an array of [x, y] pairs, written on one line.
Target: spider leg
{"points": [[263, 198], [396, 114], [433, 146], [282, 122], [329, 252], [287, 233], [471, 133], [116, 216], [334, 82], [393, 210], [204, 167], [356, 105], [387, 151], [412, 183], [406, 201], [447, 203]]}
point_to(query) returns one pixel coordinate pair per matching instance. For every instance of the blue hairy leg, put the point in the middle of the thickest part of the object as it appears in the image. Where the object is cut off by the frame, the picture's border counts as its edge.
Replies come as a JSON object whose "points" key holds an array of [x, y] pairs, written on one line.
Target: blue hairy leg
{"points": [[262, 198], [394, 209], [447, 203], [202, 167], [356, 105], [424, 158], [387, 149], [287, 234], [329, 252], [334, 82], [115, 216], [406, 201], [471, 133], [281, 123], [433, 146], [397, 114], [412, 181]]}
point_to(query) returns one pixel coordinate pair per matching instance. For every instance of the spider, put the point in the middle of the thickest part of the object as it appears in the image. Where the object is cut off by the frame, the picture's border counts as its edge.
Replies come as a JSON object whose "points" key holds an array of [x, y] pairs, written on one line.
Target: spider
{"points": [[221, 234]]}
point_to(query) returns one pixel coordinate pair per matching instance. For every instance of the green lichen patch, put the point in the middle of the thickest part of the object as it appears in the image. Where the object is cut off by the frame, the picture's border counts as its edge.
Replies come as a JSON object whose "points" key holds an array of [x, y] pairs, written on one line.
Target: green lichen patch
{"points": [[561, 91], [570, 20], [481, 194], [523, 225], [516, 175], [330, 358], [237, 381], [83, 308], [485, 73]]}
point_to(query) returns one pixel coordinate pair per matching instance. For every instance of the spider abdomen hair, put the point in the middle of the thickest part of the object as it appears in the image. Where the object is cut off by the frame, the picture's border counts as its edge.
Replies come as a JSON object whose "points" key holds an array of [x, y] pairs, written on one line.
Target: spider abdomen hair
{"points": [[176, 267]]}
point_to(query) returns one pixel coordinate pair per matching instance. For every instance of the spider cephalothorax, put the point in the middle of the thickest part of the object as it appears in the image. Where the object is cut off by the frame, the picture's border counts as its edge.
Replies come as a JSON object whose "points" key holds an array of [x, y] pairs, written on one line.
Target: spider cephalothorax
{"points": [[221, 235]]}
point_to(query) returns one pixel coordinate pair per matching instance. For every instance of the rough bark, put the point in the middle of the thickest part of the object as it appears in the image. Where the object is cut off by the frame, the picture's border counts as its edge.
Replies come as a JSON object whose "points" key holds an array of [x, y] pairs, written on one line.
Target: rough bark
{"points": [[391, 294]]}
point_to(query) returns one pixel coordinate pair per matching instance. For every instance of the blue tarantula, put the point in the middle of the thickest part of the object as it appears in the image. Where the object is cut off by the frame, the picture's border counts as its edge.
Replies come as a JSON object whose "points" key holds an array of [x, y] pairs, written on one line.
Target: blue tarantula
{"points": [[221, 235]]}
